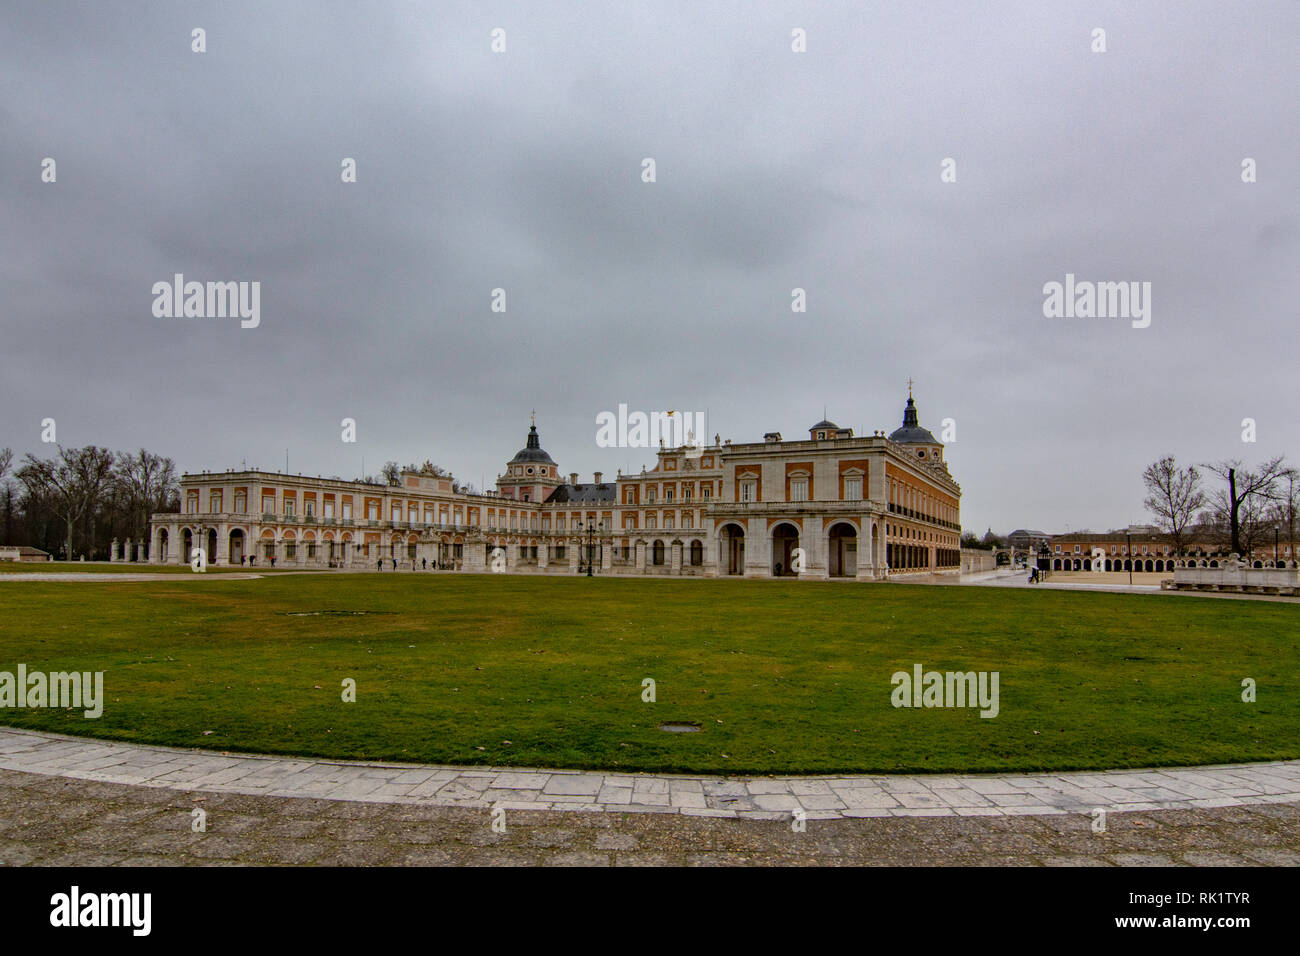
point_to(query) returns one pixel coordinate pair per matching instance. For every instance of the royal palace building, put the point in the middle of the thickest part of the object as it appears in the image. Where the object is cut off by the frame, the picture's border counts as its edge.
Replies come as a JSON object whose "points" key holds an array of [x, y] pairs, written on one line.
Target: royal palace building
{"points": [[832, 505]]}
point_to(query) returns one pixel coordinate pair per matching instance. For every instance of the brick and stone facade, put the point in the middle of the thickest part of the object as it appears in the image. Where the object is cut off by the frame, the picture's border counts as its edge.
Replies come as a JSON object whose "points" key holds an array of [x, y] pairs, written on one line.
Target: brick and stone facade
{"points": [[832, 505]]}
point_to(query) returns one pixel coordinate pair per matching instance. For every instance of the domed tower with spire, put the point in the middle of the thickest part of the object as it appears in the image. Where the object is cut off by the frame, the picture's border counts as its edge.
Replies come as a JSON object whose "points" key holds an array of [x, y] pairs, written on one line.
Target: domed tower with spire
{"points": [[532, 474], [922, 445]]}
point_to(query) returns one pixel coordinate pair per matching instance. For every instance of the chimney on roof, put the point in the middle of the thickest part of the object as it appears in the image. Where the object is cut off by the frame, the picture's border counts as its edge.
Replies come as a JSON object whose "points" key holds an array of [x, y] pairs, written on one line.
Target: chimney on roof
{"points": [[573, 477], [597, 474]]}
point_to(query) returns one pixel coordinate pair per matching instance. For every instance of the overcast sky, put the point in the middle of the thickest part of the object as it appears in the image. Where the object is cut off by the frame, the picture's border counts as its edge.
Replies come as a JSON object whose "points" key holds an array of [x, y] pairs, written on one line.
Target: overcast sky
{"points": [[522, 170]]}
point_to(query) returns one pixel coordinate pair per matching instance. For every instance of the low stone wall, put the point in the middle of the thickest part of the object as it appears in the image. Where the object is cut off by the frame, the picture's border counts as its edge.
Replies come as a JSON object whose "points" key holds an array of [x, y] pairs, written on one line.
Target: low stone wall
{"points": [[977, 559], [1235, 577]]}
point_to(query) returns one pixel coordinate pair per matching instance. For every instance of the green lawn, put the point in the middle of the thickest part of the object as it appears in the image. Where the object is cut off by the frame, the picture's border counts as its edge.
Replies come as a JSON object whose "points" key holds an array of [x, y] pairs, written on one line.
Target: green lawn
{"points": [[782, 676]]}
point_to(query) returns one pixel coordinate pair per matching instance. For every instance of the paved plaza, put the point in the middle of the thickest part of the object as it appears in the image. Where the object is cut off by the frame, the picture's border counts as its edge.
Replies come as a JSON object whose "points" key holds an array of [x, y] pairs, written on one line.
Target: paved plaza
{"points": [[75, 801]]}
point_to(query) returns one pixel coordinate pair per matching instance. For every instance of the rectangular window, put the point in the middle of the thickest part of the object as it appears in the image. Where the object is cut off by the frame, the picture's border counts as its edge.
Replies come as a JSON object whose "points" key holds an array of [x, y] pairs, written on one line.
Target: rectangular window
{"points": [[329, 509], [707, 491], [853, 489], [268, 505], [798, 489], [288, 507], [746, 491], [347, 509]]}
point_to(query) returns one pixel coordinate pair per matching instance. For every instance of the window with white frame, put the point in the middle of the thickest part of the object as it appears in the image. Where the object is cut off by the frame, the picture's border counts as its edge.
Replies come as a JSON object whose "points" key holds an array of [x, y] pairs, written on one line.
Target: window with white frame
{"points": [[798, 489], [853, 489]]}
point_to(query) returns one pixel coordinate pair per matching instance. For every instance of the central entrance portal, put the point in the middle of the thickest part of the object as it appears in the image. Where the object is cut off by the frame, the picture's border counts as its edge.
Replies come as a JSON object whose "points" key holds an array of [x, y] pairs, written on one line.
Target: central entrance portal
{"points": [[844, 551], [732, 541], [785, 539]]}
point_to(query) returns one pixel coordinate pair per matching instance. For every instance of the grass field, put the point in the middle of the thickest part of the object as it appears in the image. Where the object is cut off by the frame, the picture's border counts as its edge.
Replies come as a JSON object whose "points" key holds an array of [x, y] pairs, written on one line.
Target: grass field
{"points": [[781, 676]]}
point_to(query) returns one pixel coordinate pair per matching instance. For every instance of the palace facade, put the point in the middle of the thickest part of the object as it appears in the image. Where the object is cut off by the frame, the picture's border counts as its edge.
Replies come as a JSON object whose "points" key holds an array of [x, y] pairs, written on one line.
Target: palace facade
{"points": [[832, 505]]}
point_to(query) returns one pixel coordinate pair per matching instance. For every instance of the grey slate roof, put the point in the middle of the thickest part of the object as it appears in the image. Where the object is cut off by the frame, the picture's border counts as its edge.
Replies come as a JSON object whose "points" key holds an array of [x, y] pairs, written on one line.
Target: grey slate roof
{"points": [[912, 433], [532, 451], [605, 493]]}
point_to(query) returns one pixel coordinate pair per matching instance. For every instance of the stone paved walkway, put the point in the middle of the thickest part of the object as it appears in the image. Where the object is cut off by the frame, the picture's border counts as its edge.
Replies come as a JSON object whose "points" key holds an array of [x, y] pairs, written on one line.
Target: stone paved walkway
{"points": [[819, 798], [59, 821]]}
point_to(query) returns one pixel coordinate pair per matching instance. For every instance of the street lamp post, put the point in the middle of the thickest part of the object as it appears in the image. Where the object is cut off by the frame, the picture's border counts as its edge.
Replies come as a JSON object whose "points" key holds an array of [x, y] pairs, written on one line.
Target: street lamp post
{"points": [[590, 530]]}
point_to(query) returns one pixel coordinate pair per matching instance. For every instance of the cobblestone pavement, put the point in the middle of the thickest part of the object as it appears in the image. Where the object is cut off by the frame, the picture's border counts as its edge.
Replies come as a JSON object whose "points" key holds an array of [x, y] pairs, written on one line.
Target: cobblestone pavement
{"points": [[73, 801], [59, 821], [769, 798]]}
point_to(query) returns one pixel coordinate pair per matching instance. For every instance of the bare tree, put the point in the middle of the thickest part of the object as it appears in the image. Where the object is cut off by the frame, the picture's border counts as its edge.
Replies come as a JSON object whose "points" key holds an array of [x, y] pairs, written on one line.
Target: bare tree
{"points": [[7, 494], [72, 481], [1286, 513], [392, 473], [1241, 506], [147, 483], [1174, 497]]}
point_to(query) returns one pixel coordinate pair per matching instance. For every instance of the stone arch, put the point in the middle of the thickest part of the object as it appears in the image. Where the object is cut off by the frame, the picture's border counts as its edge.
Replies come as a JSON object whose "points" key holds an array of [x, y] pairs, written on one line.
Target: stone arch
{"points": [[731, 548], [842, 549], [785, 539]]}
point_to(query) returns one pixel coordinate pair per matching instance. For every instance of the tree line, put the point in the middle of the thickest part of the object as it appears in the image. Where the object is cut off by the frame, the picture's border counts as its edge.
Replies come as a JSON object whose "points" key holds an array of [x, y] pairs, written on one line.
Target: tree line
{"points": [[1251, 508], [79, 499], [1248, 507]]}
